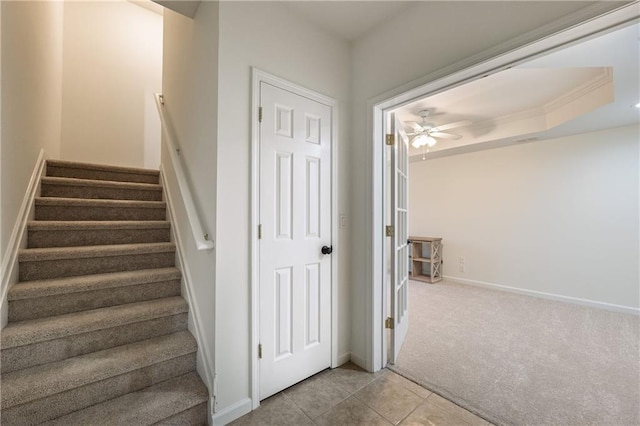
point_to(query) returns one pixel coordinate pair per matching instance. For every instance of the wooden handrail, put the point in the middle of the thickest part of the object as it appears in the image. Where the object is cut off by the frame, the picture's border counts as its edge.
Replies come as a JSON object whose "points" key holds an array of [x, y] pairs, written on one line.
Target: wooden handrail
{"points": [[201, 237]]}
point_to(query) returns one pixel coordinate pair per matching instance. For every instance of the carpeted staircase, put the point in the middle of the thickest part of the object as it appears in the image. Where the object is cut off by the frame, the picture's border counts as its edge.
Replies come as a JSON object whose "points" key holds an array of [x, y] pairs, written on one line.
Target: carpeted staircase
{"points": [[97, 329]]}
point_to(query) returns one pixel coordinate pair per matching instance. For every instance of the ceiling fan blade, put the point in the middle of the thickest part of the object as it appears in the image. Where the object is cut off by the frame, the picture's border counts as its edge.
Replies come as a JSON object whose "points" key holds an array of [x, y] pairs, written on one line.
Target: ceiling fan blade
{"points": [[454, 125], [444, 135], [415, 126]]}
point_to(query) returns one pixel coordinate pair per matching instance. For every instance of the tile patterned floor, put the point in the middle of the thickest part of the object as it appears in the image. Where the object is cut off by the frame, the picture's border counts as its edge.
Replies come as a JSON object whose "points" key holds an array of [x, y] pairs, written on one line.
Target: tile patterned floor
{"points": [[349, 396]]}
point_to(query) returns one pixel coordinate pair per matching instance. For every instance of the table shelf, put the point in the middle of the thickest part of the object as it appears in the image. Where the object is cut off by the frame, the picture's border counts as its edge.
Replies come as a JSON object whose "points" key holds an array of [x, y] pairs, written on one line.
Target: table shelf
{"points": [[426, 259]]}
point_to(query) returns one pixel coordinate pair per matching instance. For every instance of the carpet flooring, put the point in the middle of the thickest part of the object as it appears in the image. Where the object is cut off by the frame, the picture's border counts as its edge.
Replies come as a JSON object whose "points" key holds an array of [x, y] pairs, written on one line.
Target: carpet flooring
{"points": [[97, 331], [520, 360]]}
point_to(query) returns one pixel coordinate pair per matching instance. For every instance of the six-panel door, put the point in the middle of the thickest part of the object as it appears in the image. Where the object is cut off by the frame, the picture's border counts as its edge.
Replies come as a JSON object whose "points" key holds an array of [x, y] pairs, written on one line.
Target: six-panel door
{"points": [[295, 214]]}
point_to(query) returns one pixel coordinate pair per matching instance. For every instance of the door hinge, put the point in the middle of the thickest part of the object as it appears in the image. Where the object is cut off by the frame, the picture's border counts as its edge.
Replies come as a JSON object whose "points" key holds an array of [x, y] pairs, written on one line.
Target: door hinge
{"points": [[388, 231], [259, 350], [388, 323], [390, 140], [260, 231], [260, 114], [161, 99]]}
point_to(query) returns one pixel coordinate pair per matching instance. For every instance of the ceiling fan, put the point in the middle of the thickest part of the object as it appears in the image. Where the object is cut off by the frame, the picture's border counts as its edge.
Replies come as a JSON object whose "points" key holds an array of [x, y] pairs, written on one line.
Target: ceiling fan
{"points": [[427, 133]]}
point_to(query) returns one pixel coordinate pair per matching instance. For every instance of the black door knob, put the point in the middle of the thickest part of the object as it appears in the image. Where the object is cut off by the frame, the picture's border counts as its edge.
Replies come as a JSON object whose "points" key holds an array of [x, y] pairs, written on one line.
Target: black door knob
{"points": [[327, 249]]}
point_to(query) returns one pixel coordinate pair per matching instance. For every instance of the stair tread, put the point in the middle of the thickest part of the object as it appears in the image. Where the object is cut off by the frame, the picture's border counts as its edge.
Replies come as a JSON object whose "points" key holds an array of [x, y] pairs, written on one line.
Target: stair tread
{"points": [[144, 407], [28, 332], [100, 183], [77, 284], [65, 225], [102, 167], [58, 253], [38, 382], [97, 202]]}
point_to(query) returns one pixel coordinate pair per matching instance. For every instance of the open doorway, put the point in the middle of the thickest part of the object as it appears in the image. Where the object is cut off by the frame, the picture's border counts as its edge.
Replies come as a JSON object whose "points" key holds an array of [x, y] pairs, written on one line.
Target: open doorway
{"points": [[555, 203]]}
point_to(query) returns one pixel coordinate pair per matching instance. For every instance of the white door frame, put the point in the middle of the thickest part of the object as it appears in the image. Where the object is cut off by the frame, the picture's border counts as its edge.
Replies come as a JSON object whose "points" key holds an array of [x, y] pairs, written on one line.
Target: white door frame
{"points": [[259, 76], [472, 69]]}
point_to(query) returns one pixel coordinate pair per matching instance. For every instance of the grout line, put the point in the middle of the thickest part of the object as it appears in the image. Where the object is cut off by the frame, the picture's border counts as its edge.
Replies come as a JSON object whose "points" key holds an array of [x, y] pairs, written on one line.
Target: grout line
{"points": [[285, 396], [350, 394]]}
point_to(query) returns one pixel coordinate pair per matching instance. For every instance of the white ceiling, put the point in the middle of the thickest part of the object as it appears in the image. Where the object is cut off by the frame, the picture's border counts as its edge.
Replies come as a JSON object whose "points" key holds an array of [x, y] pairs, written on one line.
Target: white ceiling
{"points": [[544, 81], [518, 90]]}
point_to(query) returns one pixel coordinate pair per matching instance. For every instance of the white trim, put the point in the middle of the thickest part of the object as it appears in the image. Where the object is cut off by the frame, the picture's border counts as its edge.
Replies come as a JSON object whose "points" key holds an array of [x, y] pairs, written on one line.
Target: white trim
{"points": [[544, 295], [259, 76], [17, 240], [232, 412], [359, 361], [254, 386], [343, 359], [199, 235], [563, 32], [203, 343]]}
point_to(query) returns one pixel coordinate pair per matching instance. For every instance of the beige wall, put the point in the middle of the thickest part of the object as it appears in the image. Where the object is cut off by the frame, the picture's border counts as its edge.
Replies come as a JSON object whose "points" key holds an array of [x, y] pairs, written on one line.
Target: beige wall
{"points": [[557, 216], [190, 88], [112, 62], [31, 97]]}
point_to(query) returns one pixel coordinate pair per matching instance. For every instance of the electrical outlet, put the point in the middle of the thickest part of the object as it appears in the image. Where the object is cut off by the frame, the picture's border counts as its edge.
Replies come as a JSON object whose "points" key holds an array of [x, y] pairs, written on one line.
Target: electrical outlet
{"points": [[461, 266], [343, 221]]}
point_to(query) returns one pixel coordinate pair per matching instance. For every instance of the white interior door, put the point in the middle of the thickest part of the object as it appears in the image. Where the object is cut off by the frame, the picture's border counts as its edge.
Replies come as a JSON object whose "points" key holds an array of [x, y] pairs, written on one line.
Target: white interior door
{"points": [[295, 218], [399, 246]]}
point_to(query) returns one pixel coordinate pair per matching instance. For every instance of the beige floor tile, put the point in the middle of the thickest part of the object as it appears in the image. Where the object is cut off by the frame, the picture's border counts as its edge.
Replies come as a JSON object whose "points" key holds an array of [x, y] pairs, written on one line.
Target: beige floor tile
{"points": [[408, 384], [275, 411], [351, 412], [456, 410], [432, 415], [380, 398], [351, 377], [316, 395], [393, 401]]}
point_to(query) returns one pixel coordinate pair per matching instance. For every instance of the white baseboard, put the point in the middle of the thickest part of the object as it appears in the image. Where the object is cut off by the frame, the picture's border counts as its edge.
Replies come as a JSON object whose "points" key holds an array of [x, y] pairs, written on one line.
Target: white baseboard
{"points": [[17, 240], [232, 412], [551, 296], [344, 358], [204, 357], [360, 362]]}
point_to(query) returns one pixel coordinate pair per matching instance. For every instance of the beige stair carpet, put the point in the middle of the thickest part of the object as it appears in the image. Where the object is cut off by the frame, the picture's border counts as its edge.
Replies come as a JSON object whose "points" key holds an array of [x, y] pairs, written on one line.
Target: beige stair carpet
{"points": [[97, 329]]}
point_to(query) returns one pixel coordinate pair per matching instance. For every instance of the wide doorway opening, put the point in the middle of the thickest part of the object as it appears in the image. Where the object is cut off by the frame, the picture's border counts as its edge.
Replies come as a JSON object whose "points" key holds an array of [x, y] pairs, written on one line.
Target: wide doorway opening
{"points": [[512, 182]]}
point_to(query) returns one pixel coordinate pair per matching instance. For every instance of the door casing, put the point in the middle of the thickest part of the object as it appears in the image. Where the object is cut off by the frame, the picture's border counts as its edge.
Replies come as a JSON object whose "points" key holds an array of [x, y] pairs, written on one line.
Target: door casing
{"points": [[476, 67], [259, 76]]}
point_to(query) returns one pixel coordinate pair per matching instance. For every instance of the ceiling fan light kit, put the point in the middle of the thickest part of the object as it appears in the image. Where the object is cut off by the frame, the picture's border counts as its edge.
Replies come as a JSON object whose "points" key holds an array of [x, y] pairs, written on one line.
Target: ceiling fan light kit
{"points": [[426, 133], [422, 140]]}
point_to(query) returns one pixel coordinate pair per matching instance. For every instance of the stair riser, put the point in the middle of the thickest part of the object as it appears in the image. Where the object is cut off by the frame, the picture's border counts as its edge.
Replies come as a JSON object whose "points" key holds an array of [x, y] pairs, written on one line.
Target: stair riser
{"points": [[193, 416], [41, 307], [96, 237], [46, 269], [179, 401], [63, 403], [48, 212], [58, 349], [95, 192], [68, 172]]}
